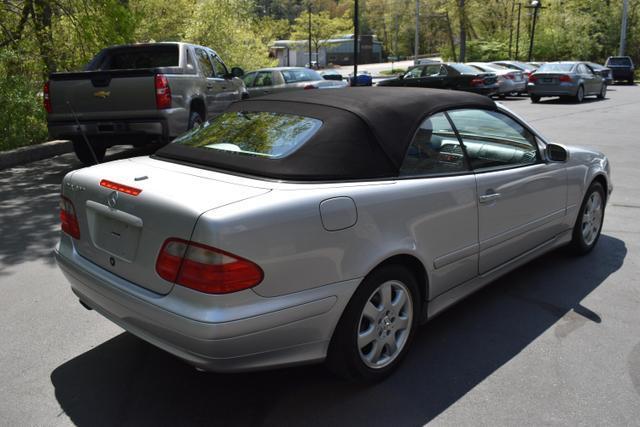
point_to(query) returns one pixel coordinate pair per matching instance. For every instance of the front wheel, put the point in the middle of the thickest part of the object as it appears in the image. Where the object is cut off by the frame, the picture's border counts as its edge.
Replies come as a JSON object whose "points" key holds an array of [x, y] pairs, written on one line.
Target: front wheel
{"points": [[586, 231], [377, 326], [535, 99], [603, 92]]}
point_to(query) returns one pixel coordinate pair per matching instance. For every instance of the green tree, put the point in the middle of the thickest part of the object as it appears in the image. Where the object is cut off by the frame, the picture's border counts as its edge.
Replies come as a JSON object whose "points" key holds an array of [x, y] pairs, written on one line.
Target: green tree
{"points": [[322, 28]]}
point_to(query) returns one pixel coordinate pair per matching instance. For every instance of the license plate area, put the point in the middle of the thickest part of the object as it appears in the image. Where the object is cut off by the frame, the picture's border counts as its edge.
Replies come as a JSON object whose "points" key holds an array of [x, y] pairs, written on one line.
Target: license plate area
{"points": [[548, 80], [113, 231]]}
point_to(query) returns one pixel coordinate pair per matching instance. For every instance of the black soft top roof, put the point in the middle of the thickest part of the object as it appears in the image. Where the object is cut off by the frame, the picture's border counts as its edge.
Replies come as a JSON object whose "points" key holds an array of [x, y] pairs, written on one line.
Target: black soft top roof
{"points": [[365, 133]]}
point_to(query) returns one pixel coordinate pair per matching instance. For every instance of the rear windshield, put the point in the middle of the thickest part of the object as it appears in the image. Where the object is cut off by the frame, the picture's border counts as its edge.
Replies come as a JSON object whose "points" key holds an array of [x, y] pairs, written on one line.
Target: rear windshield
{"points": [[263, 134], [464, 69], [619, 61], [300, 75], [564, 68], [136, 57]]}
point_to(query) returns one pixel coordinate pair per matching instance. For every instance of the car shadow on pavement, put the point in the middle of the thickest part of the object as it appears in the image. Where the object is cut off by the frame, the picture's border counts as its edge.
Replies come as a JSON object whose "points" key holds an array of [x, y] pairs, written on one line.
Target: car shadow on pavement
{"points": [[126, 381], [29, 198]]}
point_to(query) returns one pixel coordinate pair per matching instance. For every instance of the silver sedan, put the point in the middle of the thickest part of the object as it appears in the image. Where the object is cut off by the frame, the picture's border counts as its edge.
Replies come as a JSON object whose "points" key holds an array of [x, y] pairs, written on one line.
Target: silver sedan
{"points": [[283, 79], [567, 80], [325, 226]]}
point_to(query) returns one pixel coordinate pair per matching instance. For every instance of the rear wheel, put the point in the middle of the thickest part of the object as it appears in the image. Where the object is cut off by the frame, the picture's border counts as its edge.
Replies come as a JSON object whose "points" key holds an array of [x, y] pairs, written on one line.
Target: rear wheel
{"points": [[377, 326], [586, 231], [535, 99], [579, 95], [603, 92], [90, 152], [195, 120], [630, 81]]}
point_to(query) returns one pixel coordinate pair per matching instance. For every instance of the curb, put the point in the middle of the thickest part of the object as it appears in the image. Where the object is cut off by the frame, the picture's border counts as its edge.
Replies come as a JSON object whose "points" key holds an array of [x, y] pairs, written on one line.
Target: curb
{"points": [[31, 153]]}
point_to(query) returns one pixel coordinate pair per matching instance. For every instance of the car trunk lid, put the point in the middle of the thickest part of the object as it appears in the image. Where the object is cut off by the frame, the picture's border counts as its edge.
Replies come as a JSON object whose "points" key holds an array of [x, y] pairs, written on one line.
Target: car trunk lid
{"points": [[124, 233]]}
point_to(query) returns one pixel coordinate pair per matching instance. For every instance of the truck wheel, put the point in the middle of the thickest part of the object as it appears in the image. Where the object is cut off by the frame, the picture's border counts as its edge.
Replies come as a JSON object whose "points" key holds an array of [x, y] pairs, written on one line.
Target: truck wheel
{"points": [[630, 81], [195, 120], [535, 99], [84, 154], [377, 326]]}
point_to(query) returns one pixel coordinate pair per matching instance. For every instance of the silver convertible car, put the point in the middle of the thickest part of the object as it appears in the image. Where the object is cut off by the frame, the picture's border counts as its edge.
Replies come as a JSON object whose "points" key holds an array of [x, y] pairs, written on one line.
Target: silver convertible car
{"points": [[304, 227]]}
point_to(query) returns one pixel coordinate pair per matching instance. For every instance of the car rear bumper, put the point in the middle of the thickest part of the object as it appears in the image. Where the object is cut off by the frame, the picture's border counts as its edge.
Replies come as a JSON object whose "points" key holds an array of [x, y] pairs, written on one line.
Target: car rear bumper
{"points": [[510, 86], [249, 331], [552, 90]]}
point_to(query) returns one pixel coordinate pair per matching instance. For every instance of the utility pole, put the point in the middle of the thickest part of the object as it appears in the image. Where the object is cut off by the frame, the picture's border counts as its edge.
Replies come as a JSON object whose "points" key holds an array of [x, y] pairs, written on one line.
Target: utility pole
{"points": [[309, 13], [513, 8], [356, 30], [416, 41], [536, 5], [518, 31], [463, 32], [623, 28]]}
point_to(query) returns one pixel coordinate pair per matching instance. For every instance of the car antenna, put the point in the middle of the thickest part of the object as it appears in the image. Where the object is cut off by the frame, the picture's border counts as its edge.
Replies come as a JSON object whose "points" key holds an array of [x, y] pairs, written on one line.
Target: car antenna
{"points": [[84, 135]]}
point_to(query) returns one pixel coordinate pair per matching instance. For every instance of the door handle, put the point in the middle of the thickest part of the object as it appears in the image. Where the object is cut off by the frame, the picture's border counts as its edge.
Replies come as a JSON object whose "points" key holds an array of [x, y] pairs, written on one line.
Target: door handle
{"points": [[488, 198]]}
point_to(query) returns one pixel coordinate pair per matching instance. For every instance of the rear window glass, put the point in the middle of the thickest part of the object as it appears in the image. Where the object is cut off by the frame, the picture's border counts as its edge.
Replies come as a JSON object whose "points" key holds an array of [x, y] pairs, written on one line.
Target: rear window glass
{"points": [[263, 134], [619, 61], [300, 75], [556, 67], [464, 69], [140, 57]]}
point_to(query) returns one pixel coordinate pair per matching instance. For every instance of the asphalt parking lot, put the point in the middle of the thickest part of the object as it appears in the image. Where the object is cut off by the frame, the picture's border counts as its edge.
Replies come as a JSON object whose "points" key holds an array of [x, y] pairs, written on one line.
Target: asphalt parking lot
{"points": [[556, 342]]}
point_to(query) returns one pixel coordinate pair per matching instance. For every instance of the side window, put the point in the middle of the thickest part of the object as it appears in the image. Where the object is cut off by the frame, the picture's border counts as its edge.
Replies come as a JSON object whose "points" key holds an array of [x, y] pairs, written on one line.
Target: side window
{"points": [[205, 64], [443, 70], [190, 64], [494, 140], [248, 79], [414, 73], [220, 68], [263, 78], [435, 150], [432, 70]]}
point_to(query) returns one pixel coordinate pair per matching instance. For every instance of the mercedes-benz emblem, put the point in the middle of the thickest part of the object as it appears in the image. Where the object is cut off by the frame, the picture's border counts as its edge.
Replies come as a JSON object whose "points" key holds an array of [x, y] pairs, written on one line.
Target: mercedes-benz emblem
{"points": [[112, 200]]}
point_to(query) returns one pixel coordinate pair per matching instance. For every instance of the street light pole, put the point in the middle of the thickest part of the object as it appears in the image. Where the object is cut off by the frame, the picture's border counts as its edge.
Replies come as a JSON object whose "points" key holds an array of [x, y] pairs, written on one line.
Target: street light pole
{"points": [[518, 31], [356, 31], [535, 5], [309, 13], [623, 28], [513, 8], [416, 41]]}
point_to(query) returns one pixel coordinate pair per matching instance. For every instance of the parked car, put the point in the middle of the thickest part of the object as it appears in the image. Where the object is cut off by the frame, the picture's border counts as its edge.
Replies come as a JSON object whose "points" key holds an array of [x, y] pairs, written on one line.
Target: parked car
{"points": [[566, 79], [331, 75], [283, 79], [364, 79], [605, 72], [527, 69], [447, 76], [294, 228], [509, 81], [135, 94], [536, 65], [622, 68]]}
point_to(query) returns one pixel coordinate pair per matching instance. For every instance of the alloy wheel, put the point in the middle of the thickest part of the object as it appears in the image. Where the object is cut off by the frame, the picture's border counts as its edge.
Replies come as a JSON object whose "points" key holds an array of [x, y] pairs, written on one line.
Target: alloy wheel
{"points": [[592, 218], [385, 324]]}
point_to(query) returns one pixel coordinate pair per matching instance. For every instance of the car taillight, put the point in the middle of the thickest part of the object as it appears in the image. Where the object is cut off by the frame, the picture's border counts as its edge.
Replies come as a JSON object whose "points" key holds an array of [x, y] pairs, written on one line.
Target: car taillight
{"points": [[532, 78], [510, 76], [68, 218], [564, 78], [132, 191], [46, 97], [206, 269], [163, 92], [478, 81], [309, 87]]}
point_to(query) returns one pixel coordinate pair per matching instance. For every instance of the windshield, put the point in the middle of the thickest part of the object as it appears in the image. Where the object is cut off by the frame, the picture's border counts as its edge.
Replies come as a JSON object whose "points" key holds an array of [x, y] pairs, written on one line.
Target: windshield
{"points": [[563, 68], [270, 135], [619, 61], [300, 75]]}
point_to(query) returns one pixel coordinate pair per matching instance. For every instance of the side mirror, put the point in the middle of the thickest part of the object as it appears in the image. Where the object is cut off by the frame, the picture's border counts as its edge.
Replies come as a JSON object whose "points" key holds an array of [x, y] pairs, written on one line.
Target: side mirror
{"points": [[556, 153], [237, 72]]}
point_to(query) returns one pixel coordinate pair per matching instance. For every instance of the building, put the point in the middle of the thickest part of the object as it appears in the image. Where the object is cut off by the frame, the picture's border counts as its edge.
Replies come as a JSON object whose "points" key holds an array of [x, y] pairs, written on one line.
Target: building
{"points": [[338, 51]]}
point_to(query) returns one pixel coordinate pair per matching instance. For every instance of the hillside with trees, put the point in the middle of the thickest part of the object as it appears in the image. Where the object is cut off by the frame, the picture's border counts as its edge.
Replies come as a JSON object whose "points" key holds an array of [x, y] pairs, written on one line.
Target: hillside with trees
{"points": [[42, 36]]}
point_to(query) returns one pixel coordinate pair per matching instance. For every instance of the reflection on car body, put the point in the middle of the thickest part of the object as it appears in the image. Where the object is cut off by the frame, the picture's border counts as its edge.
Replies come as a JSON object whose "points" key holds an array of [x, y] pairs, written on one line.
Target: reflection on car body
{"points": [[303, 227]]}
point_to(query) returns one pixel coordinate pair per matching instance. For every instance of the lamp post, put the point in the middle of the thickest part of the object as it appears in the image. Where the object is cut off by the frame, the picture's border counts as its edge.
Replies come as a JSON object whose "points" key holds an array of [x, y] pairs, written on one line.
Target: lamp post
{"points": [[356, 30], [309, 13], [536, 5], [518, 32]]}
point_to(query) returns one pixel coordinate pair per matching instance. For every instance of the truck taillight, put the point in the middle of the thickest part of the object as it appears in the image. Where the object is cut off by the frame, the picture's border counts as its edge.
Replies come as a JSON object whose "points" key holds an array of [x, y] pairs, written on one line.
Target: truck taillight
{"points": [[46, 97], [68, 218], [205, 269], [163, 92]]}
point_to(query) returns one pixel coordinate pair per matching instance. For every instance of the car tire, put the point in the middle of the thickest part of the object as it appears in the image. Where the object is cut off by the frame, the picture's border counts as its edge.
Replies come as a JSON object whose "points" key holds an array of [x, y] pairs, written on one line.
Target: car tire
{"points": [[375, 331], [83, 150], [195, 120], [579, 95], [603, 92], [631, 81], [586, 231], [534, 98]]}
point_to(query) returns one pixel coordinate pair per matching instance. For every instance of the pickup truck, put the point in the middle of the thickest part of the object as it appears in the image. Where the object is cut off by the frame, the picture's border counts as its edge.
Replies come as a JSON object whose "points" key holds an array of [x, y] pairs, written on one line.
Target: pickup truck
{"points": [[136, 94]]}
